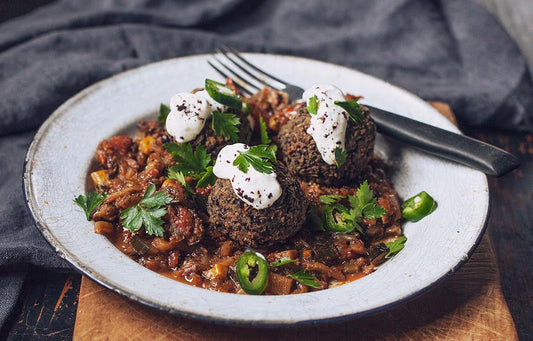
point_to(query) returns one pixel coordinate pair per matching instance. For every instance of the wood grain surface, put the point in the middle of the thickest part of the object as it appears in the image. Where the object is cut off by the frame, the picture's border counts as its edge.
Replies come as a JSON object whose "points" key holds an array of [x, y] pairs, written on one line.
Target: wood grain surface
{"points": [[467, 305]]}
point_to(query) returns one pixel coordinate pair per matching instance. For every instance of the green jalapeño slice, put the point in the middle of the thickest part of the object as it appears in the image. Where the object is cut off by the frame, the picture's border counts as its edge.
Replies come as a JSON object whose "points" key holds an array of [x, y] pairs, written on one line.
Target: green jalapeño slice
{"points": [[223, 94], [252, 272], [335, 219], [419, 206]]}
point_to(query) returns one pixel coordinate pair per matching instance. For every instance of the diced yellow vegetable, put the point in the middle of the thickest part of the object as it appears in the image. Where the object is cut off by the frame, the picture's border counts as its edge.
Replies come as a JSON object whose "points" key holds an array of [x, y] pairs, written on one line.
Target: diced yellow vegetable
{"points": [[217, 271], [100, 177], [146, 144]]}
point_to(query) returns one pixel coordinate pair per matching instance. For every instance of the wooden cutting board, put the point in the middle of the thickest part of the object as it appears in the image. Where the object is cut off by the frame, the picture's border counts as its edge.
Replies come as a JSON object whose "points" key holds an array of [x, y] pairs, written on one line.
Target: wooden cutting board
{"points": [[469, 305]]}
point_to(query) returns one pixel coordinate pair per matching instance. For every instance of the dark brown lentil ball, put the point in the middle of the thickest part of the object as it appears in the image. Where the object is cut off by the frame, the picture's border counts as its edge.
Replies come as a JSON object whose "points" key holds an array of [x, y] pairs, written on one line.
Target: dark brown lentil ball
{"points": [[230, 216], [299, 152]]}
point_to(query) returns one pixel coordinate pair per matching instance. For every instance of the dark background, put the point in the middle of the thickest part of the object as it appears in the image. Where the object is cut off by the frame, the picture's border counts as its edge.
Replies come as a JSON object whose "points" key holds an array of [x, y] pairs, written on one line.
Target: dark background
{"points": [[47, 309]]}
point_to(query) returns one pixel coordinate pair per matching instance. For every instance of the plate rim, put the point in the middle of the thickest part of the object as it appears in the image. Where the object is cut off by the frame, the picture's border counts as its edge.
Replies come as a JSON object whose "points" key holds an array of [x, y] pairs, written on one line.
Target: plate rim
{"points": [[78, 265]]}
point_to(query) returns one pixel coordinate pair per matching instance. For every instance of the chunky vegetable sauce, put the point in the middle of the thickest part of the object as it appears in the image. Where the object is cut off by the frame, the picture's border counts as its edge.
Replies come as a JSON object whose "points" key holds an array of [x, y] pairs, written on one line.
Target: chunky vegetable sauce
{"points": [[324, 253]]}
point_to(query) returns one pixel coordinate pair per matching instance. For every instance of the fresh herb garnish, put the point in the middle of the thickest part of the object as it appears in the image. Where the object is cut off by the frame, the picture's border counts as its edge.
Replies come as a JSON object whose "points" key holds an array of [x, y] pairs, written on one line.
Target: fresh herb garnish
{"points": [[263, 131], [225, 124], [338, 218], [173, 174], [190, 162], [206, 178], [353, 109], [312, 105], [330, 198], [364, 204], [176, 175], [395, 246], [164, 110], [282, 261], [223, 94], [260, 157], [340, 156], [89, 202], [148, 213], [306, 278]]}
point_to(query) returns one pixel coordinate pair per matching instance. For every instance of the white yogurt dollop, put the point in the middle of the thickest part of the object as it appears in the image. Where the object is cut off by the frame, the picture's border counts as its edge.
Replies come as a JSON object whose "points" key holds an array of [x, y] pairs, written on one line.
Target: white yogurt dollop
{"points": [[214, 105], [188, 113], [328, 126], [259, 190]]}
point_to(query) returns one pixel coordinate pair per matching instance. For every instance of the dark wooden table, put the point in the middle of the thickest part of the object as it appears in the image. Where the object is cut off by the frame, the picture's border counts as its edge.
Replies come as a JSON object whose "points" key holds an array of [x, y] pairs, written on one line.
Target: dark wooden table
{"points": [[47, 309]]}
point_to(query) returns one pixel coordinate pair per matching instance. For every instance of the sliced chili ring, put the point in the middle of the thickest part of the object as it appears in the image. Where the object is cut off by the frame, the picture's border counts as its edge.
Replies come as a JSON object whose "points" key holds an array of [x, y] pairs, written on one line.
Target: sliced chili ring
{"points": [[333, 219], [418, 207], [223, 94], [252, 272]]}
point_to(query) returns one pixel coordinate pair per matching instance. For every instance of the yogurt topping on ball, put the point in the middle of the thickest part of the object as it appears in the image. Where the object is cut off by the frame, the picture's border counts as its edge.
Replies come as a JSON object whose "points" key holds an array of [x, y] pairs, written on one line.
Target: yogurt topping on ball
{"points": [[258, 190], [188, 114], [328, 126]]}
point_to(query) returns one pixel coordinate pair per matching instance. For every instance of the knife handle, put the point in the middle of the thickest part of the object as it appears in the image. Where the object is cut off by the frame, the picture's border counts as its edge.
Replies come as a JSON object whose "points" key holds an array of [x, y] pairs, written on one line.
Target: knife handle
{"points": [[456, 147]]}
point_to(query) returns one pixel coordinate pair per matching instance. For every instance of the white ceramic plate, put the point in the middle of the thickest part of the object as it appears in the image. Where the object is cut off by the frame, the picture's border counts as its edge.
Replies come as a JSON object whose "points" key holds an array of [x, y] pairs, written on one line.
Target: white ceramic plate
{"points": [[59, 157]]}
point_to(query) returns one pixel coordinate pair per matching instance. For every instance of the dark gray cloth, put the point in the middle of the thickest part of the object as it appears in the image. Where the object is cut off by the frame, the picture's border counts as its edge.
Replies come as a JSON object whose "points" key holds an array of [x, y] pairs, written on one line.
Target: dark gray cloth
{"points": [[449, 50]]}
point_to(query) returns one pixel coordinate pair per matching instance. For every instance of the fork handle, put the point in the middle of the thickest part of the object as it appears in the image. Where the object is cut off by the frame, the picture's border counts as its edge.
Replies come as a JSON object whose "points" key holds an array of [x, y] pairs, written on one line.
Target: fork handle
{"points": [[456, 147]]}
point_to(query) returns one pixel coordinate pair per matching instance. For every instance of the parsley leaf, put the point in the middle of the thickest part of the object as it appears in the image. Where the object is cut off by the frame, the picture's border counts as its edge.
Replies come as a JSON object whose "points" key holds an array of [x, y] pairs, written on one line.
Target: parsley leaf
{"points": [[374, 211], [362, 205], [177, 175], [148, 213], [364, 194], [366, 203], [395, 246], [192, 163], [89, 203], [330, 198], [225, 124], [188, 161], [260, 157], [353, 109], [312, 105], [207, 178], [306, 278], [340, 156], [282, 261], [164, 110], [263, 130]]}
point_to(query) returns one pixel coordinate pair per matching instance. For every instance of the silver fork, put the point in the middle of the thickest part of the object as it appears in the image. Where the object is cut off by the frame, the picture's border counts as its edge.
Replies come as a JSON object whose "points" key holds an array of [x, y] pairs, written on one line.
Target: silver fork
{"points": [[456, 147]]}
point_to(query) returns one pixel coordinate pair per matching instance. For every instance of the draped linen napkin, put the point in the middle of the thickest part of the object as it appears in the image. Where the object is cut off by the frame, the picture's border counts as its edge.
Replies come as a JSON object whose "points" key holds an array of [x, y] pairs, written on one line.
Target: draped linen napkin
{"points": [[449, 50]]}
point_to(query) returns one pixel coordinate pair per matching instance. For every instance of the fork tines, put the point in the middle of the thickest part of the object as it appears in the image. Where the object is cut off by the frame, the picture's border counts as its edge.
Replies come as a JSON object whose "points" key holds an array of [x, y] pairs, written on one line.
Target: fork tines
{"points": [[246, 76]]}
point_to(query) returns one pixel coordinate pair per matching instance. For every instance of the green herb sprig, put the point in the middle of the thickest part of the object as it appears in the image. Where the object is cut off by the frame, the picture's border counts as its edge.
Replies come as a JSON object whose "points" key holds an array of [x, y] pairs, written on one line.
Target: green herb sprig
{"points": [[190, 163], [353, 109], [164, 110], [263, 131], [362, 205], [340, 156], [395, 246], [260, 157], [306, 278], [148, 213], [312, 105], [225, 124], [89, 202]]}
